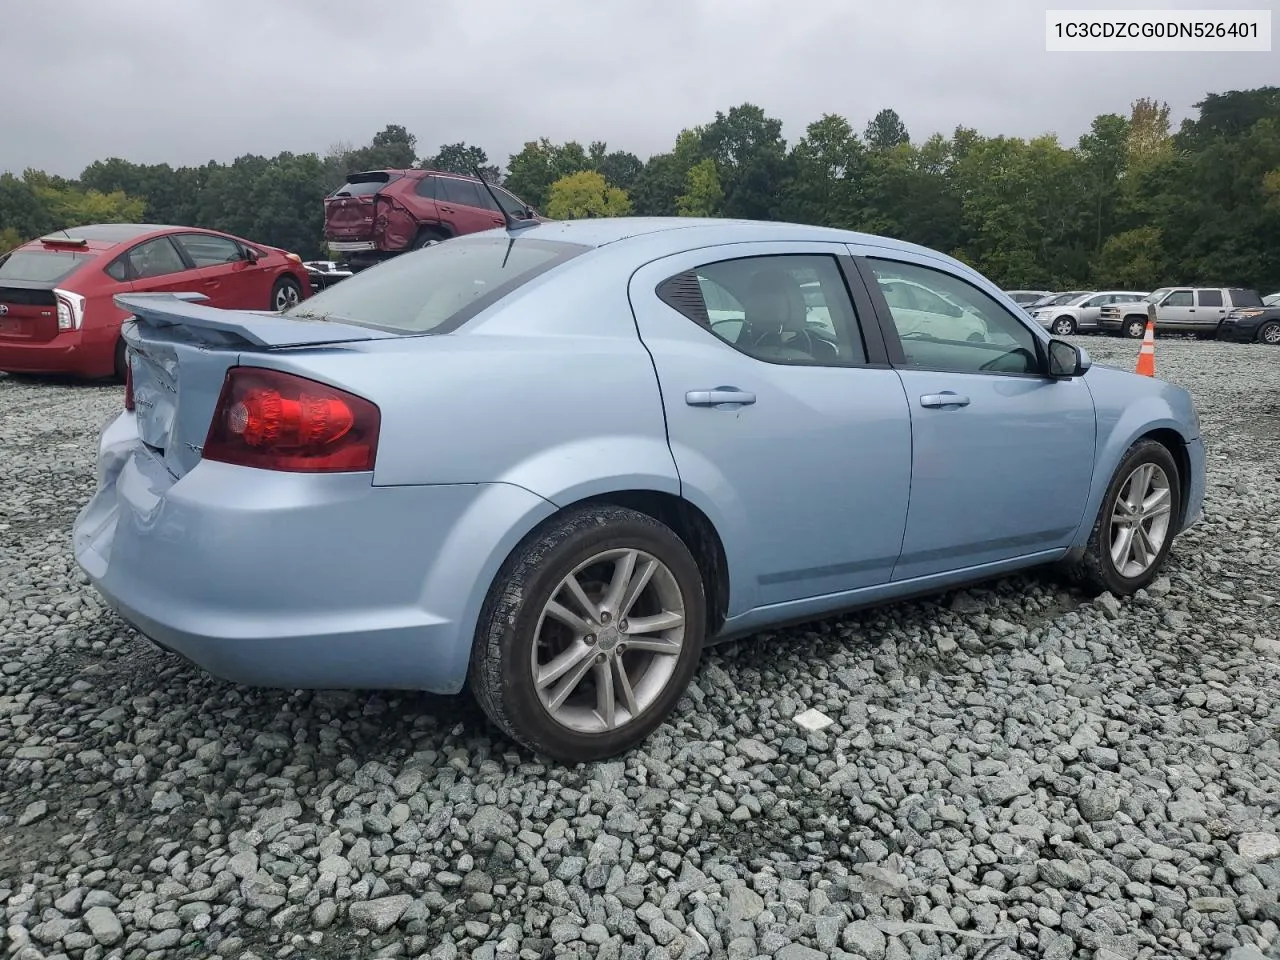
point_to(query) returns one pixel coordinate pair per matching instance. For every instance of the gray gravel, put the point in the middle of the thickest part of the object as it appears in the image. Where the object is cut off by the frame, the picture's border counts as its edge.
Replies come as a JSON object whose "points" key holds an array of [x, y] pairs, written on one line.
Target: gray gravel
{"points": [[1012, 771]]}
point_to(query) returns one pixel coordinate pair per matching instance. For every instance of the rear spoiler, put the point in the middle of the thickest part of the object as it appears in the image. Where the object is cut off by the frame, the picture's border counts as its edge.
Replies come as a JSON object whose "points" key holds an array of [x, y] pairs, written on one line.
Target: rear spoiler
{"points": [[270, 330]]}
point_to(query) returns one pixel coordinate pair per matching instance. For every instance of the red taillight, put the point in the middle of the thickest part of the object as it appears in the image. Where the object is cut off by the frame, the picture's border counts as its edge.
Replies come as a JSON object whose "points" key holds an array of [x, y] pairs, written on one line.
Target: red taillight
{"points": [[128, 383], [279, 421]]}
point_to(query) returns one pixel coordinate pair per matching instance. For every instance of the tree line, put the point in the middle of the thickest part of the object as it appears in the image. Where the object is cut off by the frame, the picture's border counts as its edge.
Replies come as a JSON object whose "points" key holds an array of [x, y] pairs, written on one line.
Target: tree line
{"points": [[1132, 204]]}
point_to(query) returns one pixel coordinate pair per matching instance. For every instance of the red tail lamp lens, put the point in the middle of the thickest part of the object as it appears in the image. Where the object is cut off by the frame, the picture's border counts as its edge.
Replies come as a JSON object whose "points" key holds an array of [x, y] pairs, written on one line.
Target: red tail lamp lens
{"points": [[279, 421]]}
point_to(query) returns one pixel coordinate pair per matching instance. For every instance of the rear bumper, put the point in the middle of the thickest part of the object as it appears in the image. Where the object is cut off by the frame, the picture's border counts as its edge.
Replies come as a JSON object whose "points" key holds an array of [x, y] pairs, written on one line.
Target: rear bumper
{"points": [[88, 352], [296, 581], [351, 246]]}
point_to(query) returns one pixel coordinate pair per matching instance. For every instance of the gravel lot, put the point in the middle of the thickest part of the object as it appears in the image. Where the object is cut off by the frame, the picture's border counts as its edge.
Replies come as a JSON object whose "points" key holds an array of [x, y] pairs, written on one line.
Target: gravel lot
{"points": [[1012, 771]]}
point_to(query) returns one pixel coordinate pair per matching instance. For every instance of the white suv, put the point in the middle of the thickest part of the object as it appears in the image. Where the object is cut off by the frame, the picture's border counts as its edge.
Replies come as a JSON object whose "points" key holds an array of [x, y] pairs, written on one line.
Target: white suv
{"points": [[1082, 312]]}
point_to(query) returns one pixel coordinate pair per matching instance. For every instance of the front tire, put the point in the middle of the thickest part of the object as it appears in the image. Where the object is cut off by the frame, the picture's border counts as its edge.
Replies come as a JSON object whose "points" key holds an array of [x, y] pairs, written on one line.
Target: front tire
{"points": [[286, 293], [589, 635], [1136, 523], [1269, 333], [1135, 328], [1063, 327]]}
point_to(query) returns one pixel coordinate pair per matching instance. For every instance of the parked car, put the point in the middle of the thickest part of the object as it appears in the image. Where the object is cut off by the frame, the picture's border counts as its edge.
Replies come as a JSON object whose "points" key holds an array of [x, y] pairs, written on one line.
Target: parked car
{"points": [[1250, 324], [57, 309], [1025, 298], [380, 213], [342, 505], [325, 273], [1081, 312], [1056, 299], [1195, 310]]}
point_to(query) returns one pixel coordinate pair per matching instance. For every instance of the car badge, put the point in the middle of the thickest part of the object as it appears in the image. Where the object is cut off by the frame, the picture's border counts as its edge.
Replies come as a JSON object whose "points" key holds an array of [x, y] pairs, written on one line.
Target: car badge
{"points": [[4, 310]]}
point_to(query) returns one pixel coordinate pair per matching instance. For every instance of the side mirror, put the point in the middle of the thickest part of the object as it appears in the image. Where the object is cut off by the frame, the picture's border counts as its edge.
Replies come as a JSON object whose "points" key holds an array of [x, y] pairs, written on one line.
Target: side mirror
{"points": [[251, 255], [1066, 360]]}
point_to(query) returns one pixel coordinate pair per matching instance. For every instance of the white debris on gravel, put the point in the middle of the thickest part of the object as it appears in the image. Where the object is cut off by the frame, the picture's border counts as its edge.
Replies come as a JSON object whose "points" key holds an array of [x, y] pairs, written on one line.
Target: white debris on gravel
{"points": [[1011, 771], [813, 720]]}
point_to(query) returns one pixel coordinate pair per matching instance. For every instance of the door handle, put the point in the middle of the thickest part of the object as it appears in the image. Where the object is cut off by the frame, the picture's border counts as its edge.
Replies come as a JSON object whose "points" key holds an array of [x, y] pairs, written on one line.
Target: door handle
{"points": [[712, 398], [944, 399]]}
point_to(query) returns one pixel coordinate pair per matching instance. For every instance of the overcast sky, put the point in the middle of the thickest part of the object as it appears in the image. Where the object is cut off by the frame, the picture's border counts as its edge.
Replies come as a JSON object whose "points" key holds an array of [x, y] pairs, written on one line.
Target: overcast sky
{"points": [[186, 82]]}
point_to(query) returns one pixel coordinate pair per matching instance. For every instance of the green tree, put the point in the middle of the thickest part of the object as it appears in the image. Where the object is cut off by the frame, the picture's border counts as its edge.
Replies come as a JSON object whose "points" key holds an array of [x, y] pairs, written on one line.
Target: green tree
{"points": [[585, 194], [751, 158], [829, 167], [462, 158], [703, 196], [886, 131], [532, 171]]}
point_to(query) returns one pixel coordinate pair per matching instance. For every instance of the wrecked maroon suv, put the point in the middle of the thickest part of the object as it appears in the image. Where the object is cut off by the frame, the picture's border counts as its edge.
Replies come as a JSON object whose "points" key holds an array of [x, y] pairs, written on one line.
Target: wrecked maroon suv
{"points": [[381, 213]]}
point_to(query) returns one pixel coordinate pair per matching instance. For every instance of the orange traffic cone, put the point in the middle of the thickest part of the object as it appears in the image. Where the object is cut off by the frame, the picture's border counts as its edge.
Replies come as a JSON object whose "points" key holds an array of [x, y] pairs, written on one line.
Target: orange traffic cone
{"points": [[1147, 355]]}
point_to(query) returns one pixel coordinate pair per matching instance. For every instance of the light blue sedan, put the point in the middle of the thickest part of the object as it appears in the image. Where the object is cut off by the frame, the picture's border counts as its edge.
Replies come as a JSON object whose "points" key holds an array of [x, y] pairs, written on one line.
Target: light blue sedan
{"points": [[535, 462]]}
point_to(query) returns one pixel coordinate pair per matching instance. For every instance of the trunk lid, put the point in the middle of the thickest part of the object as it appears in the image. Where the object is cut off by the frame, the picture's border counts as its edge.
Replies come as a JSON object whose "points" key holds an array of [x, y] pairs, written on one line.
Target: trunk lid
{"points": [[28, 311], [179, 354], [349, 218]]}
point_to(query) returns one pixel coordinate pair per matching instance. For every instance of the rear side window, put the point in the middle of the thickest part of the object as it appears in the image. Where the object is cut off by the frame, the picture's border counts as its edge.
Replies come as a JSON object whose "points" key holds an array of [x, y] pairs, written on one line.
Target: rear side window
{"points": [[464, 192], [792, 308], [1246, 298], [41, 266], [438, 288], [1209, 298], [426, 187]]}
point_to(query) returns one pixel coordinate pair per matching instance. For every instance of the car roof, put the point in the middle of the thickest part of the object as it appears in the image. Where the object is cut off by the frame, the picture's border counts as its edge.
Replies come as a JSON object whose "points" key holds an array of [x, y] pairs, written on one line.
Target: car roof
{"points": [[101, 237], [686, 233]]}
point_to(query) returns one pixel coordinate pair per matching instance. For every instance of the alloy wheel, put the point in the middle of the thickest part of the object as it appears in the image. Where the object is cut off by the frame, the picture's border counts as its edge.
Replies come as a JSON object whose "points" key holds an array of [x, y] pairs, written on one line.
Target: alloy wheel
{"points": [[286, 296], [1140, 520], [608, 641]]}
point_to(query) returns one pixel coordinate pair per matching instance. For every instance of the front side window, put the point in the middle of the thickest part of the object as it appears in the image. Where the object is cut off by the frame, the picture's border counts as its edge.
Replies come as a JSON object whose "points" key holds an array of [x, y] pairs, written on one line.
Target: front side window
{"points": [[945, 323], [509, 203], [791, 308], [209, 251], [438, 288], [1179, 298], [155, 258]]}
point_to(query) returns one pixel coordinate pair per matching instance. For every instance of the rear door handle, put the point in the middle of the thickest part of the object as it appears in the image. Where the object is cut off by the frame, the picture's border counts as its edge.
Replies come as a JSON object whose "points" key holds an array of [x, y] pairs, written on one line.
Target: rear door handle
{"points": [[712, 398], [944, 399]]}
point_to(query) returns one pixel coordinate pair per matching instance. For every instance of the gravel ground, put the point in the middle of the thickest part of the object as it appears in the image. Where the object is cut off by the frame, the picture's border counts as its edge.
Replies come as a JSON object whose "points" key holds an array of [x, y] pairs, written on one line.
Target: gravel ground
{"points": [[1012, 772]]}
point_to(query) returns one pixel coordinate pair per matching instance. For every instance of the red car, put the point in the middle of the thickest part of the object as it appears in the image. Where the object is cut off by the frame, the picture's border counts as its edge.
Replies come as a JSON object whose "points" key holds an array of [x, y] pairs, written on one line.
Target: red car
{"points": [[380, 213], [57, 314]]}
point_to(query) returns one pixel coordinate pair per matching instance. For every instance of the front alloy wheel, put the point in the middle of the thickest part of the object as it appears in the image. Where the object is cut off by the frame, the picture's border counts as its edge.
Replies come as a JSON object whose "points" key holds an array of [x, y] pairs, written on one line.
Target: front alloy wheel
{"points": [[1064, 327], [1270, 333], [590, 634], [1135, 328], [1136, 523]]}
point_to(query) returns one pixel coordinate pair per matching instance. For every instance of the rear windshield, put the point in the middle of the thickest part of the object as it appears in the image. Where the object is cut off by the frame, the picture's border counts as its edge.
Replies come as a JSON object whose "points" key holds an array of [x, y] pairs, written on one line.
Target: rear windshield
{"points": [[438, 288], [1246, 298], [361, 188], [41, 266]]}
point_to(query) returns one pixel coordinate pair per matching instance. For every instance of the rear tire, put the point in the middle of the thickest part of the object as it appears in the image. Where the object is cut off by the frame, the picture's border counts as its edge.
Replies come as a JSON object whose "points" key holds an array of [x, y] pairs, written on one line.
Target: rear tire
{"points": [[1269, 333], [426, 238], [121, 360], [286, 293], [1110, 561], [627, 680]]}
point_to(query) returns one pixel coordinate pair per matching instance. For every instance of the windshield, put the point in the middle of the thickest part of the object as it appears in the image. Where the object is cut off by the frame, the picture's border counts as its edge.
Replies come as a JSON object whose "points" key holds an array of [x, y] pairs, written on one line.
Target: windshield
{"points": [[1272, 300], [1155, 296], [438, 288], [41, 266]]}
